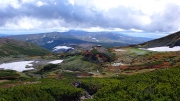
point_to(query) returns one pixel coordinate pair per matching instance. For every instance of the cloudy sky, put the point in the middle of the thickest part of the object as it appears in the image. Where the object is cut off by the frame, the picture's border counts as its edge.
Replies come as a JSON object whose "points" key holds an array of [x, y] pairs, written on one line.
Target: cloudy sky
{"points": [[151, 18]]}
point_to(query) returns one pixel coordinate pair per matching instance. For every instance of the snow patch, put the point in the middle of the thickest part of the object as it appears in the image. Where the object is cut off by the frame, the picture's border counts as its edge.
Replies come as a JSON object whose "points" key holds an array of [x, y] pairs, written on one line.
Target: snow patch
{"points": [[56, 61], [117, 64], [18, 66], [43, 36], [95, 39], [50, 41], [162, 49], [36, 62], [61, 47]]}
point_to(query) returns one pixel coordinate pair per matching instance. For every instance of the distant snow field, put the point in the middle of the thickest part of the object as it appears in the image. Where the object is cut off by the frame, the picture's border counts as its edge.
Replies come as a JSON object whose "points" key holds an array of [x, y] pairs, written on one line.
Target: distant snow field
{"points": [[95, 39], [18, 66], [50, 41], [163, 49], [56, 61], [61, 47]]}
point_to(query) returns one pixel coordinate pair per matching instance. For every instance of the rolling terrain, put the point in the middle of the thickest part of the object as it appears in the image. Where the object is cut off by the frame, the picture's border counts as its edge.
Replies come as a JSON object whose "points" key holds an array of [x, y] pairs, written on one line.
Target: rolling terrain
{"points": [[53, 39], [10, 47], [96, 73], [155, 54], [170, 40]]}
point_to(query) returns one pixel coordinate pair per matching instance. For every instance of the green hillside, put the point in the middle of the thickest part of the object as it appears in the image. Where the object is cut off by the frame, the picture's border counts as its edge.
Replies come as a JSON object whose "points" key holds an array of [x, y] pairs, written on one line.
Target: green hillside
{"points": [[170, 40], [13, 47]]}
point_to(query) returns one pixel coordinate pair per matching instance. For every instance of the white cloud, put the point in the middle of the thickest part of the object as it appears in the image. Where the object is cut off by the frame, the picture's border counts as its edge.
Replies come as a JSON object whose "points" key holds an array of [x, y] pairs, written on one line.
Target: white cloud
{"points": [[71, 2], [54, 2], [91, 15], [30, 23], [40, 3], [13, 3], [145, 20], [28, 1], [148, 7]]}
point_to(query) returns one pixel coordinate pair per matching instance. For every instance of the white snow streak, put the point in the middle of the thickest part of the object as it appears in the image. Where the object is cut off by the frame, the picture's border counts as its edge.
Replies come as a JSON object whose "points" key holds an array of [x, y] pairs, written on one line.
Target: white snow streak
{"points": [[56, 61], [163, 49], [61, 47]]}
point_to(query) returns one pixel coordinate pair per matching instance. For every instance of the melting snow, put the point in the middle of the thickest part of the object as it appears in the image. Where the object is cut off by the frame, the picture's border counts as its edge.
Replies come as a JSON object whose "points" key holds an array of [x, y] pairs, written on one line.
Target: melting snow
{"points": [[50, 41], [18, 66], [95, 39], [43, 36], [36, 61], [61, 47], [163, 49], [117, 64], [56, 61]]}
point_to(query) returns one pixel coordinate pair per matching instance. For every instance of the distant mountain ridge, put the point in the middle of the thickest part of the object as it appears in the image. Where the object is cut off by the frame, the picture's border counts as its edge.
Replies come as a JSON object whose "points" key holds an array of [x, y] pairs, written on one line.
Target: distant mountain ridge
{"points": [[12, 47], [3, 35], [53, 39], [170, 40]]}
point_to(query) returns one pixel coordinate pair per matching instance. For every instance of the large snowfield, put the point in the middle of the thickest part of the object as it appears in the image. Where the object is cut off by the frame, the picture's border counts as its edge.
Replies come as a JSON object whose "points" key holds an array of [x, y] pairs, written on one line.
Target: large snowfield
{"points": [[163, 49], [18, 66], [26, 65]]}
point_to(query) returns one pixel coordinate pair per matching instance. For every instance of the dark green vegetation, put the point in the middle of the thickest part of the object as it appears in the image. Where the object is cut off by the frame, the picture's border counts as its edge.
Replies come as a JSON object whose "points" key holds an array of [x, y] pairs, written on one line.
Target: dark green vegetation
{"points": [[44, 90], [9, 47], [161, 85], [170, 40], [72, 66], [48, 67], [8, 74], [76, 63]]}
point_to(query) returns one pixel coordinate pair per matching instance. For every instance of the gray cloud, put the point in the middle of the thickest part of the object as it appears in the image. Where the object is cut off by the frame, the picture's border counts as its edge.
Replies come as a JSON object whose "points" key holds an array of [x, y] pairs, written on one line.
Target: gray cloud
{"points": [[67, 15]]}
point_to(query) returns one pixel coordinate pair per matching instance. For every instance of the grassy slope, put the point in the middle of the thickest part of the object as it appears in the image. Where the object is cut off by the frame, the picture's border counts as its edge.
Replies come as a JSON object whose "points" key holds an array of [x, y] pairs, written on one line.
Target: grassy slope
{"points": [[76, 63], [170, 40], [12, 47]]}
